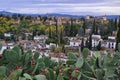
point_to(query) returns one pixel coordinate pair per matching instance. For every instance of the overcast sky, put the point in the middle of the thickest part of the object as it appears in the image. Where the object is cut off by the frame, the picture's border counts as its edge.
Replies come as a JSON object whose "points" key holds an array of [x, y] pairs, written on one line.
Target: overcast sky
{"points": [[75, 7]]}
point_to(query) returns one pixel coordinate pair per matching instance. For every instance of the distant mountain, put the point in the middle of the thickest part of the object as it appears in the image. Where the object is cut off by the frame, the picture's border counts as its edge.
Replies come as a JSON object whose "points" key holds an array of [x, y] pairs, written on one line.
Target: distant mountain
{"points": [[111, 16], [57, 14], [6, 13], [11, 13], [69, 15], [50, 14]]}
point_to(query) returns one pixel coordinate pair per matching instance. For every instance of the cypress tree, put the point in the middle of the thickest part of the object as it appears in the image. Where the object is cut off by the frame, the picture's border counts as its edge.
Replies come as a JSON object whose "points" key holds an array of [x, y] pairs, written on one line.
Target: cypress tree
{"points": [[115, 24], [112, 23], [90, 42], [96, 31], [57, 41], [110, 27], [93, 31], [82, 44], [50, 32], [118, 35], [84, 27], [56, 25], [71, 28], [109, 45], [99, 46], [67, 29], [33, 35], [87, 43], [61, 37]]}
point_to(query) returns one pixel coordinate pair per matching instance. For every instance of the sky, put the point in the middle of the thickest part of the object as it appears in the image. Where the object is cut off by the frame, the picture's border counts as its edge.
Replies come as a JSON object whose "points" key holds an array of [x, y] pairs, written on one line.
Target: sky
{"points": [[73, 7]]}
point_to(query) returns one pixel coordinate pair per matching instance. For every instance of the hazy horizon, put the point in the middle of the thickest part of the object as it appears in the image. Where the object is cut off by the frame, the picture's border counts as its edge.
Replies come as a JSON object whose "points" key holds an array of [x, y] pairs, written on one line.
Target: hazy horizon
{"points": [[78, 7]]}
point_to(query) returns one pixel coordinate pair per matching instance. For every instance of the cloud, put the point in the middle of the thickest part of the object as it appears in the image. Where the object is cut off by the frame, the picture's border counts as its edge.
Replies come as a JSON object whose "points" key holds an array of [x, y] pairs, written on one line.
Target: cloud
{"points": [[78, 7], [69, 10]]}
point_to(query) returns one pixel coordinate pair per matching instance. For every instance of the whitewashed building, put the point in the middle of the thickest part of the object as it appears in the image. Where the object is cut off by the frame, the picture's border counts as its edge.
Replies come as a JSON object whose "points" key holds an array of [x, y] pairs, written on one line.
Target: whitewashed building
{"points": [[5, 47], [111, 43], [95, 40], [2, 49], [7, 34], [50, 45], [41, 38], [75, 42]]}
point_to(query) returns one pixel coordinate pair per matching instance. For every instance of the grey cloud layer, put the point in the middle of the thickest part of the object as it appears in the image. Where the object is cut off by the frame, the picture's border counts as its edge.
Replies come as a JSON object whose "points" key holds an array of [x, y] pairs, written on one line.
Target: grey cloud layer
{"points": [[62, 6]]}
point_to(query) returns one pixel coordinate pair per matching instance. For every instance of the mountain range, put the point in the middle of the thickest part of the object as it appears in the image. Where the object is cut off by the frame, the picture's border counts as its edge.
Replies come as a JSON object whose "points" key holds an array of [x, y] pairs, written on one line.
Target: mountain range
{"points": [[57, 14]]}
